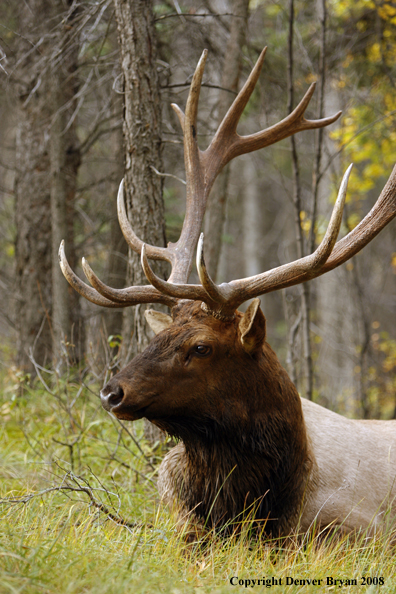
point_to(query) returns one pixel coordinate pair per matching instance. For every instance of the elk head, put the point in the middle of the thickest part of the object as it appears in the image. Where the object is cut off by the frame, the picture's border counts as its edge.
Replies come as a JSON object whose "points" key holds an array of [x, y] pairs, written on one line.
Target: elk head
{"points": [[193, 357], [207, 331]]}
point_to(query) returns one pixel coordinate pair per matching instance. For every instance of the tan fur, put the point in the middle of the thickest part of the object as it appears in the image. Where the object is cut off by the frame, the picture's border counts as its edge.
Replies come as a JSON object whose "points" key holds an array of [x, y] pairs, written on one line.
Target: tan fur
{"points": [[353, 482], [157, 320]]}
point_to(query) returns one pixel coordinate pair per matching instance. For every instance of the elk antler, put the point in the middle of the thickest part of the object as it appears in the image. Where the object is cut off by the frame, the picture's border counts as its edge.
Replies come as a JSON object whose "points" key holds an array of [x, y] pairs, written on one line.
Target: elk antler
{"points": [[202, 168]]}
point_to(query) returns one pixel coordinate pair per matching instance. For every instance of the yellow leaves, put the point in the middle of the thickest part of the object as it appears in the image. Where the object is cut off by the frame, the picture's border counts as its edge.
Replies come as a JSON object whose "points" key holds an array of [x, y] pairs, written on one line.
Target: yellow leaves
{"points": [[374, 170], [361, 26], [380, 46], [345, 8], [367, 138], [390, 101], [387, 12], [374, 53], [386, 345], [353, 221], [305, 222], [311, 77]]}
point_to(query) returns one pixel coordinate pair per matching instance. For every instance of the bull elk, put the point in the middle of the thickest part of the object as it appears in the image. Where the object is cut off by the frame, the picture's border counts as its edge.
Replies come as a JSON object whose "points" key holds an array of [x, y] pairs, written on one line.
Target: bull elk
{"points": [[247, 439]]}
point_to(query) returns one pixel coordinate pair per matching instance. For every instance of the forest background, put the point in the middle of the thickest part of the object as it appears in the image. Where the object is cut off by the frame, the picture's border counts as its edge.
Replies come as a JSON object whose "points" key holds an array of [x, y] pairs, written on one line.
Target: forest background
{"points": [[63, 156], [85, 101]]}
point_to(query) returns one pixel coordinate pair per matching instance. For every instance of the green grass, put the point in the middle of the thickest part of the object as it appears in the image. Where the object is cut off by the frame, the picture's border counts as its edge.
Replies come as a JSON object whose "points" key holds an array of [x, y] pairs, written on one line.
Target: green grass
{"points": [[54, 539]]}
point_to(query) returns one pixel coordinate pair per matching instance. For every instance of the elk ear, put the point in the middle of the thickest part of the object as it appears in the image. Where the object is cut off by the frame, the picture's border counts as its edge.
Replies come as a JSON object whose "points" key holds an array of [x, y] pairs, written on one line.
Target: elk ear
{"points": [[157, 320], [252, 327]]}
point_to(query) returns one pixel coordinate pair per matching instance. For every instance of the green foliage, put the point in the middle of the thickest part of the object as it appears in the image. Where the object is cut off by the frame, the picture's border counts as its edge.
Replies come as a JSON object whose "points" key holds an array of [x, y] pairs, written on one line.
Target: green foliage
{"points": [[114, 340]]}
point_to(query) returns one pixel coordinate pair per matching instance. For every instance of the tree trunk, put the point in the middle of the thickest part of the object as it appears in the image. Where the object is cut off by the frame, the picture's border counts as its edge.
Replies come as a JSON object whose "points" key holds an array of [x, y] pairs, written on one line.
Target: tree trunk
{"points": [[65, 161], [142, 140], [32, 196], [48, 160], [118, 250], [305, 293], [215, 214]]}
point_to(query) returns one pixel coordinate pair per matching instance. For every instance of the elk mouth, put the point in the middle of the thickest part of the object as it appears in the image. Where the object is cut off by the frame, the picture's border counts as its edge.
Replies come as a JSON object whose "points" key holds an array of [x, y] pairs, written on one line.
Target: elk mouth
{"points": [[126, 414]]}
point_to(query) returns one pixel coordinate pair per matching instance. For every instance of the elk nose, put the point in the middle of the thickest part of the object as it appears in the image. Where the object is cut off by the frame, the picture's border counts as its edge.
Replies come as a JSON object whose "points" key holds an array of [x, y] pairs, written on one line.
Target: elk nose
{"points": [[111, 397]]}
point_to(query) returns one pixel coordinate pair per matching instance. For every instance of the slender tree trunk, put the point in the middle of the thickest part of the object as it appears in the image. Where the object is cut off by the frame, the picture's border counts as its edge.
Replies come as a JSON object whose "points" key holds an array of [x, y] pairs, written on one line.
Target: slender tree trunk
{"points": [[118, 253], [322, 13], [65, 160], [305, 307], [215, 214], [251, 219], [142, 140]]}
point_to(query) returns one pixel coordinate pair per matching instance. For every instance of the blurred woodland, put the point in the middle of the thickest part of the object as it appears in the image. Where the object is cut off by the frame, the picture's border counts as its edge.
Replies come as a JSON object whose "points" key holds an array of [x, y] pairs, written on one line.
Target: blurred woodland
{"points": [[85, 100]]}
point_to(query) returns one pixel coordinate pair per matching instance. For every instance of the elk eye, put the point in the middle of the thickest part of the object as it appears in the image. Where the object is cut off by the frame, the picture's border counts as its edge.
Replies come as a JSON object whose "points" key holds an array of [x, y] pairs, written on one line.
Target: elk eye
{"points": [[202, 350]]}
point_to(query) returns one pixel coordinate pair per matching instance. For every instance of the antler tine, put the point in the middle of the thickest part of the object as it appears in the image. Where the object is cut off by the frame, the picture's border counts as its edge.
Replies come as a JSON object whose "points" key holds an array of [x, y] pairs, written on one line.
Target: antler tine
{"points": [[382, 213], [103, 295], [227, 144], [300, 270], [131, 295], [322, 253], [231, 119], [195, 89], [179, 291], [214, 292], [155, 253], [327, 256], [294, 122], [183, 250], [179, 113], [78, 285], [236, 292]]}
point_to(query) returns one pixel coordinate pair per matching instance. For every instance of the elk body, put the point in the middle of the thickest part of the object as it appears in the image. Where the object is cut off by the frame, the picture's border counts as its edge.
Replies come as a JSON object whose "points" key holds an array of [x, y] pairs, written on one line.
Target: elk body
{"points": [[249, 445]]}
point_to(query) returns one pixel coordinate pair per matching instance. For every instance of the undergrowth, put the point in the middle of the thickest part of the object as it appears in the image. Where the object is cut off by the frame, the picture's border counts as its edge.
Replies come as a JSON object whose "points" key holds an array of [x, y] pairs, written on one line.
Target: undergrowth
{"points": [[80, 513]]}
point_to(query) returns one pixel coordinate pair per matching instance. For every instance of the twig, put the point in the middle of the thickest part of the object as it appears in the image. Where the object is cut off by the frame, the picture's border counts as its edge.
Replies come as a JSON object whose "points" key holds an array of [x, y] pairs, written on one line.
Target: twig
{"points": [[85, 488], [137, 444], [208, 85], [177, 14], [167, 175]]}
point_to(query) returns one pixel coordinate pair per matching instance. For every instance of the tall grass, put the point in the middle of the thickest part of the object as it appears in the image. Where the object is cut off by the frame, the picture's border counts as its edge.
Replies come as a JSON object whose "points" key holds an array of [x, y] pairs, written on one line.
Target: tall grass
{"points": [[80, 513]]}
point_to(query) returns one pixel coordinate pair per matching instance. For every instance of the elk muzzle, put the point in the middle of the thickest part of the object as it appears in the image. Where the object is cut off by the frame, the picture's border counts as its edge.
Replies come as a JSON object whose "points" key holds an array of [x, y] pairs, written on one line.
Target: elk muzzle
{"points": [[127, 398], [111, 397]]}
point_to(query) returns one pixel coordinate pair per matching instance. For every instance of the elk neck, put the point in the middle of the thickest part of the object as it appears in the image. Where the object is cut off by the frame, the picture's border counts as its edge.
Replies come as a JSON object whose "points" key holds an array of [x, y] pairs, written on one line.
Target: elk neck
{"points": [[251, 459]]}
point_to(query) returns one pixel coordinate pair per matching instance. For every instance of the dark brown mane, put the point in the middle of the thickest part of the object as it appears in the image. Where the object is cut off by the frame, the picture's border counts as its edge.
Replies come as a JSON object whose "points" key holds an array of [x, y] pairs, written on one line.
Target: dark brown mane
{"points": [[230, 474]]}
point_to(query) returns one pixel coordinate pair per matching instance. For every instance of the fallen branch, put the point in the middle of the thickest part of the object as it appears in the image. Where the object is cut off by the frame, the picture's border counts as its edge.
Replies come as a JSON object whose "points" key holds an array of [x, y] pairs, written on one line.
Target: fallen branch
{"points": [[76, 484]]}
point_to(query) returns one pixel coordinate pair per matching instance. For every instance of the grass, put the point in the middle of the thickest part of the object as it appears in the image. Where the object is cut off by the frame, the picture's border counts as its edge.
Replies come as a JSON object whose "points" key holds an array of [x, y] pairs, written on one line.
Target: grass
{"points": [[80, 513]]}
